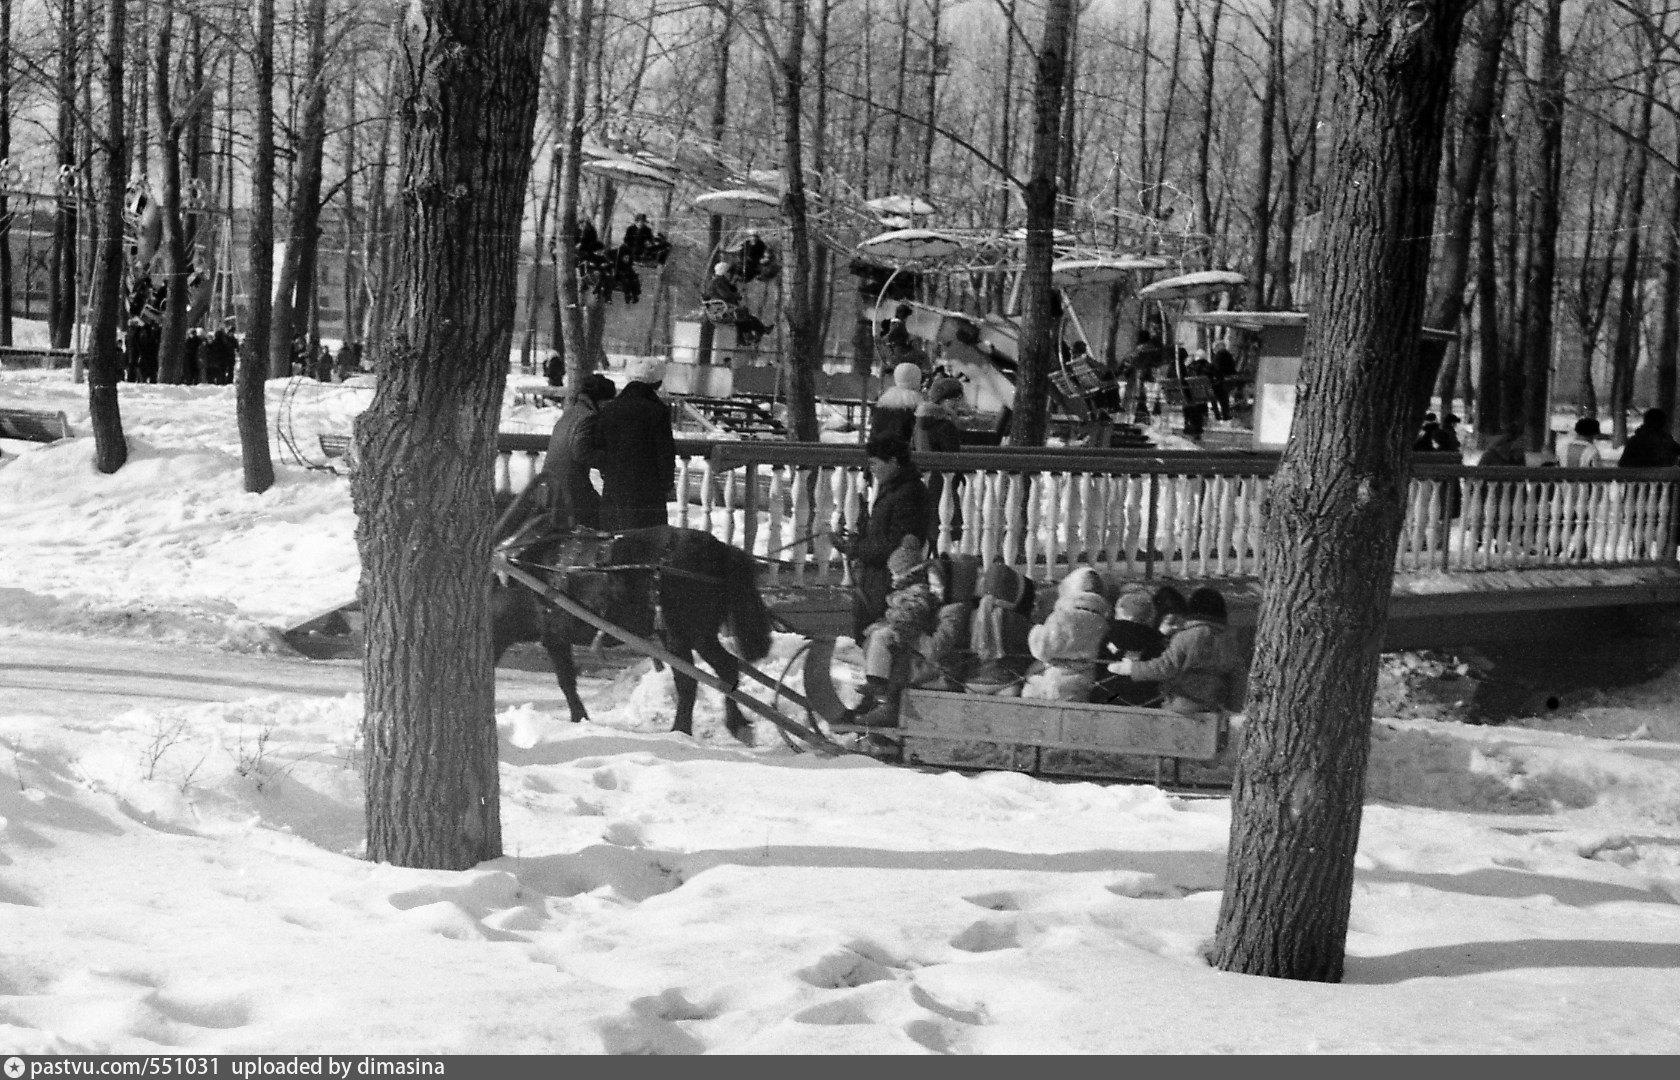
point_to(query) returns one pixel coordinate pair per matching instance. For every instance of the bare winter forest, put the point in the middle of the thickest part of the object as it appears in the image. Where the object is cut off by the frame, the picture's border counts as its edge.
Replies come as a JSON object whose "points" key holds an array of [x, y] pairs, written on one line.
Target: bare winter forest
{"points": [[1193, 127]]}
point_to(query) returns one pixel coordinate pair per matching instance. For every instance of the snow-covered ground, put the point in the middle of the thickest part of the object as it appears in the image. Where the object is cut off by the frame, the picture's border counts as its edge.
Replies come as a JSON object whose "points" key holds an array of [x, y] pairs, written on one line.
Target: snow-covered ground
{"points": [[181, 822]]}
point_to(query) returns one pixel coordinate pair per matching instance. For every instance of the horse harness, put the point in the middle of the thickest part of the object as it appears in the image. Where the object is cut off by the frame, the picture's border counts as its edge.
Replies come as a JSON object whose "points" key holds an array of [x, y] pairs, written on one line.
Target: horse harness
{"points": [[587, 551]]}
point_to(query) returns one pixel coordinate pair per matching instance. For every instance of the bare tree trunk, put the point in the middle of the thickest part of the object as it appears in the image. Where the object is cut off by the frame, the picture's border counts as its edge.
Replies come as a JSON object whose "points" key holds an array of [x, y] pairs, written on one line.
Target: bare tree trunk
{"points": [[1301, 165], [1452, 266], [1263, 154], [379, 246], [428, 440], [898, 93], [1624, 346], [720, 121], [294, 292], [1208, 38], [1666, 357], [252, 368], [352, 286], [804, 353], [5, 155], [1545, 213], [61, 280], [110, 445], [1038, 343], [173, 333], [1490, 391], [533, 279], [932, 90], [1173, 80], [578, 363], [1337, 502]]}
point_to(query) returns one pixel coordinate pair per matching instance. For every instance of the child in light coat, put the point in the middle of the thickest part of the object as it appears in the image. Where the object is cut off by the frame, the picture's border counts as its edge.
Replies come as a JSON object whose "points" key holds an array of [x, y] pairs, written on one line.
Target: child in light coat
{"points": [[1068, 641], [888, 641]]}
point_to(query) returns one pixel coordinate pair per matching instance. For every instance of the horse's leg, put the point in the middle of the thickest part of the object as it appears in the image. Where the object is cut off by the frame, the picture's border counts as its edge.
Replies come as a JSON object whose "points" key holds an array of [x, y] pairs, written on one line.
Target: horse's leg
{"points": [[685, 688], [722, 661], [557, 642]]}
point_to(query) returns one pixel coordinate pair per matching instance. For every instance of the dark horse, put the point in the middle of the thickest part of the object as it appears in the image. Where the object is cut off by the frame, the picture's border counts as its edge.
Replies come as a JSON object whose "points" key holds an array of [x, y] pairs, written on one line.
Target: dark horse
{"points": [[686, 586]]}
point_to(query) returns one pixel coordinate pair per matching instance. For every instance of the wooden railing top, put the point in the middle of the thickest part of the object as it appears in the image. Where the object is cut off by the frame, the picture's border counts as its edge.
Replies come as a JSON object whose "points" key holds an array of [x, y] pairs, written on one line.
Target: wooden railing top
{"points": [[733, 454]]}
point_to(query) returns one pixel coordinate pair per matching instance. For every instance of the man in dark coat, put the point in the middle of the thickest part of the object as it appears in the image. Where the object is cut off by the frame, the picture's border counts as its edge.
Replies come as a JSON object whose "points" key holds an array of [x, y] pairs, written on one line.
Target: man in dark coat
{"points": [[1651, 446], [638, 240], [639, 454], [573, 450], [900, 509]]}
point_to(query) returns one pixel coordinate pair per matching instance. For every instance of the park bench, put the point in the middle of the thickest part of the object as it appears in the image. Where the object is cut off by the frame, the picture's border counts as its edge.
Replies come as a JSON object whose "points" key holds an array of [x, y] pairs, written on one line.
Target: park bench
{"points": [[33, 425], [947, 729], [20, 356]]}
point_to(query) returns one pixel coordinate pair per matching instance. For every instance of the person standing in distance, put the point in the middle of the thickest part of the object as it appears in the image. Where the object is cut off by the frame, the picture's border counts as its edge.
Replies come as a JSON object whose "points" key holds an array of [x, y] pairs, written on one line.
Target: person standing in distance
{"points": [[573, 450], [639, 455]]}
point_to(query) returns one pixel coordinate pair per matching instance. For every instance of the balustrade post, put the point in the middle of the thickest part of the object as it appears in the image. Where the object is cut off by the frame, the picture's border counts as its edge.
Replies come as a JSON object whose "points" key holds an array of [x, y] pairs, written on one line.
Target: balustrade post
{"points": [[1149, 527]]}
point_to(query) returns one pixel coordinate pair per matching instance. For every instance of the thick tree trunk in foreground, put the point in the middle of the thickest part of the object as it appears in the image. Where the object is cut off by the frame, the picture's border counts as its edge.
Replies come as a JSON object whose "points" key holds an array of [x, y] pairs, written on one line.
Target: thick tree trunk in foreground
{"points": [[251, 374], [428, 441], [110, 446], [1337, 501], [1038, 343]]}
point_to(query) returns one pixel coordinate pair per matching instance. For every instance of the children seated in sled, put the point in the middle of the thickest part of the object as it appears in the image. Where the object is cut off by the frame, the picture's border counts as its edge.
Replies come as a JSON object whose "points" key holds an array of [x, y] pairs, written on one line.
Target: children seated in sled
{"points": [[888, 641], [1159, 650], [1067, 642], [1200, 670]]}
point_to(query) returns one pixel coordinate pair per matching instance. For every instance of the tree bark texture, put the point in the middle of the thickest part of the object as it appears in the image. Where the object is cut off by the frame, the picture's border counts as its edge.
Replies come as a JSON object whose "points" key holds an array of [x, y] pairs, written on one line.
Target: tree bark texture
{"points": [[565, 256], [173, 332], [804, 347], [61, 274], [110, 445], [1038, 322], [1624, 344], [1263, 153], [1452, 262], [1667, 353], [294, 293], [1490, 366], [250, 375], [5, 154], [471, 70], [1336, 503], [1545, 212]]}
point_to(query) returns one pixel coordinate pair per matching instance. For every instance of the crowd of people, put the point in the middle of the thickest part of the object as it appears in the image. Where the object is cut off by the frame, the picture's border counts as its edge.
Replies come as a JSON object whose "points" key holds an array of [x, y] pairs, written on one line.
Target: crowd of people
{"points": [[207, 358], [940, 623]]}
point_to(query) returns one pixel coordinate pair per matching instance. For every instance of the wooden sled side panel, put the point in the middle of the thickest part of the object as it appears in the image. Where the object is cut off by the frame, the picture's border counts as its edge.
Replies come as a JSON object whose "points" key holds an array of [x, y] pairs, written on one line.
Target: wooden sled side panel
{"points": [[930, 717]]}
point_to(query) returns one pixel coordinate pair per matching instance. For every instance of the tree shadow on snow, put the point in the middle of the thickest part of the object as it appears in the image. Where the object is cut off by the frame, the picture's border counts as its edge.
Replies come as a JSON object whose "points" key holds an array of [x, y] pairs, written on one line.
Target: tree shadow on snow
{"points": [[1478, 957], [1516, 884]]}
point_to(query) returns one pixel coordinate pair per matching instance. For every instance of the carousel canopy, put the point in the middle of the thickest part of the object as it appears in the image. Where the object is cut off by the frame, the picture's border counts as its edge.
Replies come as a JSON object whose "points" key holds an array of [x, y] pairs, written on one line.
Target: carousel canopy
{"points": [[1192, 286], [911, 244], [630, 172], [901, 206], [1071, 273], [740, 202]]}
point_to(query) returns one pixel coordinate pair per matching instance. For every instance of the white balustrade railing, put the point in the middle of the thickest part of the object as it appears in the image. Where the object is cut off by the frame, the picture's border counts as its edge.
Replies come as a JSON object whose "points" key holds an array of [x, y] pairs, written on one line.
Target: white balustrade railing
{"points": [[1165, 515]]}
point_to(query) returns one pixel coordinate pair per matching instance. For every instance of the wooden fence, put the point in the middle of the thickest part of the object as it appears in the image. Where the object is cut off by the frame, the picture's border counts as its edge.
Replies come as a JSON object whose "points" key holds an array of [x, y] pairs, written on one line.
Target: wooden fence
{"points": [[1145, 514]]}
